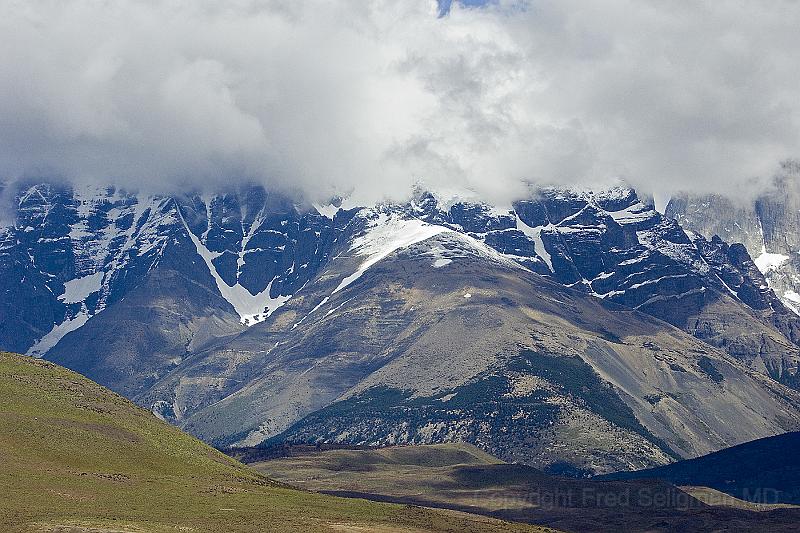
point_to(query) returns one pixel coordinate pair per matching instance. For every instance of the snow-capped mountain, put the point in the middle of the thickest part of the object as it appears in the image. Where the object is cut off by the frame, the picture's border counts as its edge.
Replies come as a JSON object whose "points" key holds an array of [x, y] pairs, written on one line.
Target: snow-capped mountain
{"points": [[247, 316], [768, 226], [73, 254], [616, 247]]}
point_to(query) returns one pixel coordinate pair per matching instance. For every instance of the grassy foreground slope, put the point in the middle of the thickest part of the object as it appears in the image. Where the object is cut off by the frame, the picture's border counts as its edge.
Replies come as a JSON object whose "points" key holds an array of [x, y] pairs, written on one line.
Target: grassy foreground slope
{"points": [[77, 457]]}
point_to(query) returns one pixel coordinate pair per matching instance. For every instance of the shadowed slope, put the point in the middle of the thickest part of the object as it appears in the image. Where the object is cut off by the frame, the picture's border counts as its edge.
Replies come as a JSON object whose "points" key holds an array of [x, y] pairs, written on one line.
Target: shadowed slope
{"points": [[762, 471], [458, 476]]}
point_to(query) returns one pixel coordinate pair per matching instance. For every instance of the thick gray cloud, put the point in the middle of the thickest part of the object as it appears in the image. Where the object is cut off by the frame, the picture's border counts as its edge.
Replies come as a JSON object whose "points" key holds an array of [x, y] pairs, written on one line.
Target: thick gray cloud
{"points": [[335, 96]]}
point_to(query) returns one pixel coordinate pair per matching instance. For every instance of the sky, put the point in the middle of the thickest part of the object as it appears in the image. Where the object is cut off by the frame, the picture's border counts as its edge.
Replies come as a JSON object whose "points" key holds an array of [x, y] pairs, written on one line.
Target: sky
{"points": [[445, 5], [370, 98]]}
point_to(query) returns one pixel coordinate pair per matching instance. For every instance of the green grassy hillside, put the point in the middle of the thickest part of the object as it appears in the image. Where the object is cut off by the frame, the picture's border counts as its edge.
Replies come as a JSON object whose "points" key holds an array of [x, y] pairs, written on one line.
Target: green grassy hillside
{"points": [[77, 457]]}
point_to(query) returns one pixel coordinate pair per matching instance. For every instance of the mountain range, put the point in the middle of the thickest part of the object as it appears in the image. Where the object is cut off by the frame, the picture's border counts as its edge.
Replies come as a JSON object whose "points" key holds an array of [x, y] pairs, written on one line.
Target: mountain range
{"points": [[576, 331]]}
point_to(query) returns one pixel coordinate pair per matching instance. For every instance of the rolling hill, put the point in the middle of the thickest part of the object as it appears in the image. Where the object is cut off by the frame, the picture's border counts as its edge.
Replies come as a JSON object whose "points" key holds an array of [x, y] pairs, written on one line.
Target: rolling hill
{"points": [[460, 476], [762, 471], [76, 457]]}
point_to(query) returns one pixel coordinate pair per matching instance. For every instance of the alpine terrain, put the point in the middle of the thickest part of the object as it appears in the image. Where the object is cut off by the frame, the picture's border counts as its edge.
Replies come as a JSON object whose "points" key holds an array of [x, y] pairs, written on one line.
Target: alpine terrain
{"points": [[579, 332], [767, 225]]}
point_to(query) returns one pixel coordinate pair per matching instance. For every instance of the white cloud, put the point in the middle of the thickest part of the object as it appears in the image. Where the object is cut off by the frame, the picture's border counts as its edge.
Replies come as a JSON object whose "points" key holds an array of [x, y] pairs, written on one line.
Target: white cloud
{"points": [[329, 96]]}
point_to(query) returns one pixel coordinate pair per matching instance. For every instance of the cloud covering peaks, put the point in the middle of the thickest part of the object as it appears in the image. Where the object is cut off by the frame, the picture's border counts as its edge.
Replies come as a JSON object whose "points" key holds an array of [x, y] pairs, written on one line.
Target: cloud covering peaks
{"points": [[370, 97]]}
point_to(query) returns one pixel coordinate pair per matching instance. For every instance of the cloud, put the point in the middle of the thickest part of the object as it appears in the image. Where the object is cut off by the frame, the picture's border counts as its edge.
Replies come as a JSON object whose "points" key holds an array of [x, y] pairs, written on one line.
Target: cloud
{"points": [[327, 97]]}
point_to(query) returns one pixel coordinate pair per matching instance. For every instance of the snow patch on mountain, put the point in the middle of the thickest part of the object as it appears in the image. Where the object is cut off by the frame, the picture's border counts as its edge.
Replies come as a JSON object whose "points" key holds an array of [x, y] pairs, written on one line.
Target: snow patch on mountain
{"points": [[384, 235], [43, 345], [638, 212], [769, 262], [251, 308], [536, 235], [439, 256], [792, 300], [78, 289], [328, 211]]}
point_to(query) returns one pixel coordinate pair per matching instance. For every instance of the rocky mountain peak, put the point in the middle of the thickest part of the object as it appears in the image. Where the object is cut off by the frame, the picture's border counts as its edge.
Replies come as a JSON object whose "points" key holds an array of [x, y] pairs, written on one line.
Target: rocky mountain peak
{"points": [[248, 307]]}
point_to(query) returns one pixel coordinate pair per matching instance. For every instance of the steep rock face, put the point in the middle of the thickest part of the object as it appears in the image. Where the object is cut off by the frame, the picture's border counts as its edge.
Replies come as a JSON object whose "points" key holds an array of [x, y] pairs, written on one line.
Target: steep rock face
{"points": [[34, 259], [69, 255], [261, 248], [171, 274], [616, 247], [768, 226], [28, 308]]}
